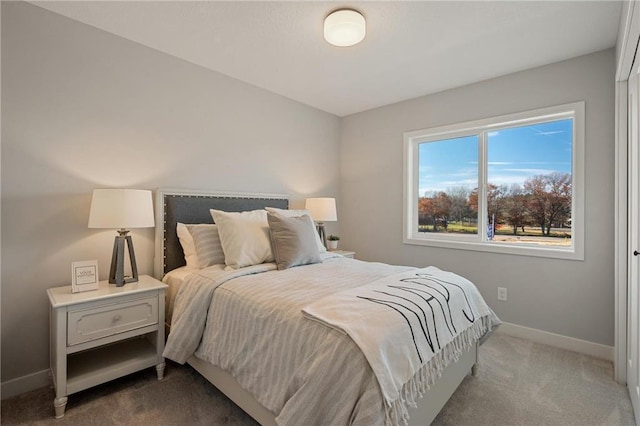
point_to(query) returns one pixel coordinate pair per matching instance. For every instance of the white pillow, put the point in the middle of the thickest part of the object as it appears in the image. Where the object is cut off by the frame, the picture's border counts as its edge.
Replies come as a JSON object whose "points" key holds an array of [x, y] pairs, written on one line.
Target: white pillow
{"points": [[201, 245], [188, 246], [244, 237], [298, 213]]}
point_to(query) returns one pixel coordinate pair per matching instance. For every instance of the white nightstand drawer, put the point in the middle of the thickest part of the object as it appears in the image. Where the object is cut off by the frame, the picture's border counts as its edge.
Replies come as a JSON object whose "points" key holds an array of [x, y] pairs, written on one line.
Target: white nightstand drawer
{"points": [[107, 320]]}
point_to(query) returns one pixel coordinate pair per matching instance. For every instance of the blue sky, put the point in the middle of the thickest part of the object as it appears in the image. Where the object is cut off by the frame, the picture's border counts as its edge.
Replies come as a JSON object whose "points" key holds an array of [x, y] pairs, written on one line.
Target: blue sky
{"points": [[515, 154]]}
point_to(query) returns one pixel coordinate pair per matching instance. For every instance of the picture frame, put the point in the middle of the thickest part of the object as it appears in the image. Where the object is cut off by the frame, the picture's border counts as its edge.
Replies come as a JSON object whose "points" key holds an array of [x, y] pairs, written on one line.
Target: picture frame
{"points": [[84, 276]]}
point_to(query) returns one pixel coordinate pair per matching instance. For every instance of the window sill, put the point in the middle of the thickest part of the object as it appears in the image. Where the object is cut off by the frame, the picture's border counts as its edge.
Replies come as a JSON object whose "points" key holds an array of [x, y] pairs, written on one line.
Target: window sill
{"points": [[569, 253]]}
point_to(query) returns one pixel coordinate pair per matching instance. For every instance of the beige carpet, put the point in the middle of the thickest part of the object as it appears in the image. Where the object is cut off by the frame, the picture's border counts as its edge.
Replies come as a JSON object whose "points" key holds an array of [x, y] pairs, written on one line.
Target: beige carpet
{"points": [[518, 383]]}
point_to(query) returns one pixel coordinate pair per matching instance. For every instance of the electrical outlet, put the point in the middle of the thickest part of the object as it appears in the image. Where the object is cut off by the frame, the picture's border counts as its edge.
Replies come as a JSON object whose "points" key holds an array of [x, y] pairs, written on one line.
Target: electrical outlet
{"points": [[502, 294]]}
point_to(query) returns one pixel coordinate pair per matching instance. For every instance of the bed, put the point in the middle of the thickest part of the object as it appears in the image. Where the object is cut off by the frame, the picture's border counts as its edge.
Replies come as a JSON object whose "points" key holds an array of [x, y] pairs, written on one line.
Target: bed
{"points": [[332, 382]]}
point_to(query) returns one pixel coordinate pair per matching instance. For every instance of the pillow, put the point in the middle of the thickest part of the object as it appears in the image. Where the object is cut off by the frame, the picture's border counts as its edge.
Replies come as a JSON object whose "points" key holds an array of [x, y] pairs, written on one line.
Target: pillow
{"points": [[207, 245], [292, 240], [302, 212], [188, 247], [244, 237], [201, 245]]}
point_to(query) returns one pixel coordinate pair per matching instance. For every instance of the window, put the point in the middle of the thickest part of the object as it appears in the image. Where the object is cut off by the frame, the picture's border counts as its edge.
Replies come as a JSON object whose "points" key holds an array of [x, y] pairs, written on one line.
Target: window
{"points": [[510, 184]]}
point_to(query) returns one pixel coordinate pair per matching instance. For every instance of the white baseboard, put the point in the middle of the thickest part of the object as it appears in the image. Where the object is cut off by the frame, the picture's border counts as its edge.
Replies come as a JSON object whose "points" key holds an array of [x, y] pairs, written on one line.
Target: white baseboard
{"points": [[558, 341], [25, 383]]}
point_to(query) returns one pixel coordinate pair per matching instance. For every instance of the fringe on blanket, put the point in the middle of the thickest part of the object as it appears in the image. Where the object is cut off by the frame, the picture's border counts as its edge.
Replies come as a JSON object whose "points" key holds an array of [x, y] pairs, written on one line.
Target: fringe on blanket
{"points": [[421, 382]]}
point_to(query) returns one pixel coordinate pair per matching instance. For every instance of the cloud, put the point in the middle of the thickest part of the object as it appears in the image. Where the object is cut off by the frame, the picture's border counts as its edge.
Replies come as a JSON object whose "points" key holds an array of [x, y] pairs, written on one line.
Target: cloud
{"points": [[552, 132], [530, 172]]}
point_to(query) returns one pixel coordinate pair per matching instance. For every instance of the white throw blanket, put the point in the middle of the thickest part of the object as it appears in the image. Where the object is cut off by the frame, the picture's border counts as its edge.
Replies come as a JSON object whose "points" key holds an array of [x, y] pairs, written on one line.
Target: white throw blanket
{"points": [[409, 326]]}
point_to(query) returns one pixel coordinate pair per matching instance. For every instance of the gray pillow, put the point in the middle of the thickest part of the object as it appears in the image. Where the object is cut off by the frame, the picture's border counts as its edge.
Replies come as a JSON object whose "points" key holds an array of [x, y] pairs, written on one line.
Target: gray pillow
{"points": [[293, 240]]}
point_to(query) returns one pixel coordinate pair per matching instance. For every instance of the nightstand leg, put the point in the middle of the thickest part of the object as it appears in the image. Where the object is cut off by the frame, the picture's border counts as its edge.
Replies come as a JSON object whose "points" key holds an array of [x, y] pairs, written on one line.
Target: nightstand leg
{"points": [[60, 404], [160, 371], [474, 369]]}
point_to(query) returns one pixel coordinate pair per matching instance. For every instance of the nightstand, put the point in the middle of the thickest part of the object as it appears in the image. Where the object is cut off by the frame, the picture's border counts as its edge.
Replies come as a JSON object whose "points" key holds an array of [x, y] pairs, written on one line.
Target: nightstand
{"points": [[100, 335], [345, 253]]}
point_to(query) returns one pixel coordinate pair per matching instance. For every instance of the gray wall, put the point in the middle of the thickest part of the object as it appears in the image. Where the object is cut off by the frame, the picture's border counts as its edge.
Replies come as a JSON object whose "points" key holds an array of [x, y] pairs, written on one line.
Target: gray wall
{"points": [[83, 109], [572, 298]]}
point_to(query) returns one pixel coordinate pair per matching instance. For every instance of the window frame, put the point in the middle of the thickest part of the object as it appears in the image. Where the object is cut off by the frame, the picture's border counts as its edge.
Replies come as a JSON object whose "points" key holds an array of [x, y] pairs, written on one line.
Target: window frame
{"points": [[480, 128]]}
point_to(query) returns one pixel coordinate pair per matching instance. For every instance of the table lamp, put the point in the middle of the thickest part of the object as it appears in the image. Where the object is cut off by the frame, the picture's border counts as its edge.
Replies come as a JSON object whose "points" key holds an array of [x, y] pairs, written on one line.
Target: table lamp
{"points": [[322, 210], [121, 209]]}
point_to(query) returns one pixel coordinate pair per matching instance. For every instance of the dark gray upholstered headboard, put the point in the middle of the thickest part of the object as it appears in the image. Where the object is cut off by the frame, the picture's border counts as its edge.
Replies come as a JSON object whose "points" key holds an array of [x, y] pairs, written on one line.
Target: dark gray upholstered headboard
{"points": [[173, 206]]}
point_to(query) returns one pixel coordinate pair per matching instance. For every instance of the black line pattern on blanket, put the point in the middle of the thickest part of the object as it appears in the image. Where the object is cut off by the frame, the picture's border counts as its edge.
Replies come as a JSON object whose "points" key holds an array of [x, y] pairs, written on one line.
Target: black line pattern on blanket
{"points": [[432, 297], [431, 289], [425, 332], [386, 303], [446, 294], [440, 281]]}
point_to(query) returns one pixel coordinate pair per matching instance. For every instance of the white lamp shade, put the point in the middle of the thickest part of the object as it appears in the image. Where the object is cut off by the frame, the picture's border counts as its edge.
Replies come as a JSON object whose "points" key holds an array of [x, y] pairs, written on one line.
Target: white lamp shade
{"points": [[344, 28], [121, 208], [322, 209]]}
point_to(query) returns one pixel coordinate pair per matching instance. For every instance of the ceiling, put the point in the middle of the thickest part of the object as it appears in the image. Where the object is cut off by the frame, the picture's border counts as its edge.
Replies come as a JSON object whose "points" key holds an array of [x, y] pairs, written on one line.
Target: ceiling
{"points": [[411, 48]]}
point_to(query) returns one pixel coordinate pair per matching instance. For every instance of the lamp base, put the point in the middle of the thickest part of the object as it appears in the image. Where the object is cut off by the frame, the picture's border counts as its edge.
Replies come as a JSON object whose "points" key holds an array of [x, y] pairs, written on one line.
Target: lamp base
{"points": [[323, 237], [116, 272]]}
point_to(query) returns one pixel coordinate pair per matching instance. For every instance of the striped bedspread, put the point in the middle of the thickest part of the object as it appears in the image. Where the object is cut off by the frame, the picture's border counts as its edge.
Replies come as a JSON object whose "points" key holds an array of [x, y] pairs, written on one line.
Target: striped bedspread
{"points": [[250, 323]]}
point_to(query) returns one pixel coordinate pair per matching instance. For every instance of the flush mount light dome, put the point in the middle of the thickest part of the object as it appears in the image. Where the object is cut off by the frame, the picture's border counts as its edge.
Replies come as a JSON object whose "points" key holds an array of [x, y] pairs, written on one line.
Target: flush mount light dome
{"points": [[344, 27]]}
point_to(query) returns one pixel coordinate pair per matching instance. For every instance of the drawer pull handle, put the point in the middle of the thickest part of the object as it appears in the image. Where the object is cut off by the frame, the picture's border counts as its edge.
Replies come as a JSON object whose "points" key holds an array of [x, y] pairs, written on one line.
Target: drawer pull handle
{"points": [[116, 318]]}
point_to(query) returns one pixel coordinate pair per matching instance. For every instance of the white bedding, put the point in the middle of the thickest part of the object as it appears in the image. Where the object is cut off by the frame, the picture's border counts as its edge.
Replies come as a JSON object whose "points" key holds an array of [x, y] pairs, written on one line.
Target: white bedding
{"points": [[249, 322], [174, 280]]}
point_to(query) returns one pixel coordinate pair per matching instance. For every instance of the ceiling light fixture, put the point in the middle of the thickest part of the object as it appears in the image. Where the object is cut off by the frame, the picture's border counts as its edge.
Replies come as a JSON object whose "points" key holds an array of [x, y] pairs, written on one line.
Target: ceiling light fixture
{"points": [[344, 27]]}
